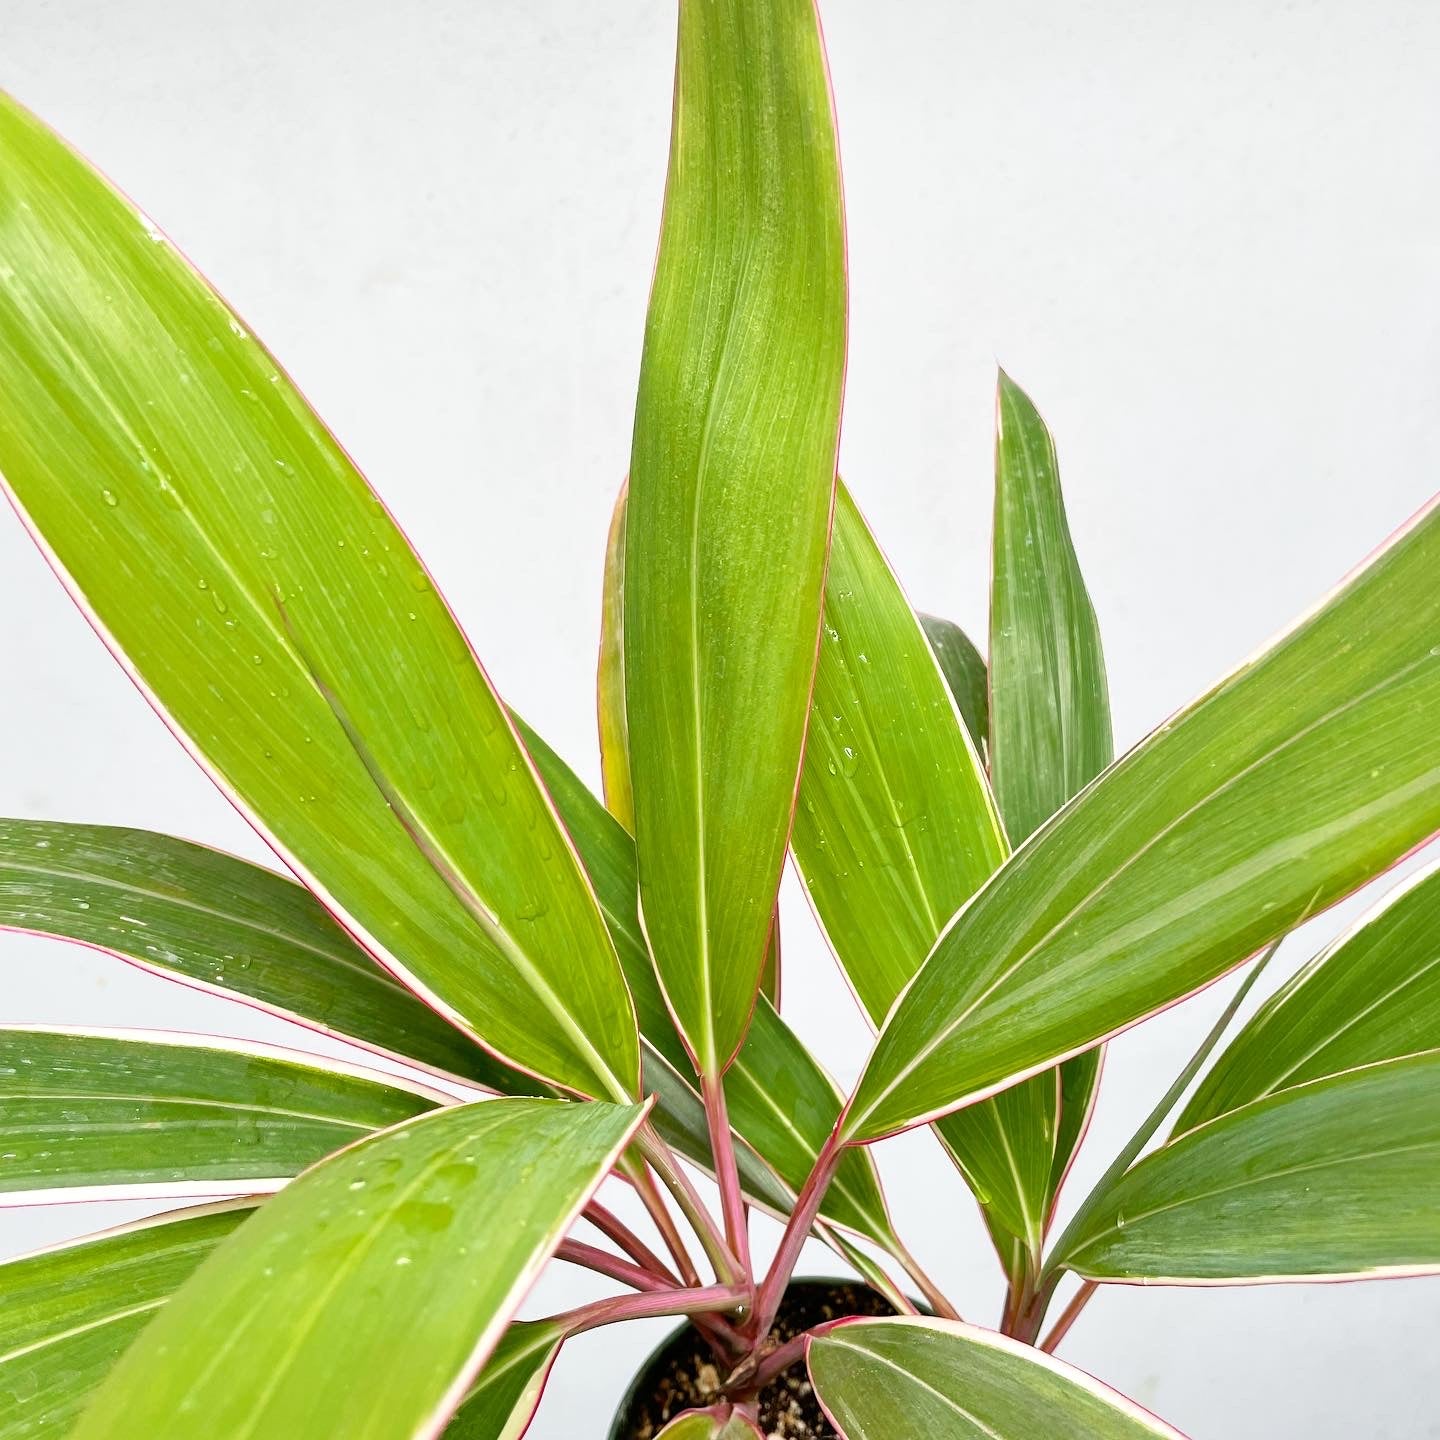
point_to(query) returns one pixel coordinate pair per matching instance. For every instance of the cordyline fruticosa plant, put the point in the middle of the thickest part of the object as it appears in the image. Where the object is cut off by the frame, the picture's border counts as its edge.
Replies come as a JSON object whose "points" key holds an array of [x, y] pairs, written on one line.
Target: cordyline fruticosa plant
{"points": [[1000, 895]]}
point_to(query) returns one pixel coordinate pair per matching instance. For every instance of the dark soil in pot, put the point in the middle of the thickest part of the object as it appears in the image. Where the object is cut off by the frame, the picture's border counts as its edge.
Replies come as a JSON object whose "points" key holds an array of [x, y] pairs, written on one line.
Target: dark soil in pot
{"points": [[682, 1374]]}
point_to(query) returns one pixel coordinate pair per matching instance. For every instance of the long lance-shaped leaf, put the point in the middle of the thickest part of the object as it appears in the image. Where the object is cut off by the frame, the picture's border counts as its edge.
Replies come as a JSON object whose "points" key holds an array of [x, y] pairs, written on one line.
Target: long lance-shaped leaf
{"points": [[1049, 707], [1298, 778], [67, 1314], [224, 926], [1049, 701], [895, 830], [122, 1114], [782, 1103], [1374, 994], [364, 1299], [505, 1397], [1335, 1179], [916, 1379], [965, 673], [256, 590], [731, 481], [615, 734]]}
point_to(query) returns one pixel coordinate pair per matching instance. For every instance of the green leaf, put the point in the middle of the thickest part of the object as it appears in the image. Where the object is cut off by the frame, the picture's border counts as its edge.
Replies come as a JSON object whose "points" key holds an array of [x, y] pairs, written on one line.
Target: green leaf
{"points": [[1298, 778], [610, 675], [225, 926], [1049, 710], [917, 1379], [67, 1314], [1374, 994], [505, 1397], [1335, 1178], [364, 1299], [615, 744], [255, 588], [1049, 702], [114, 1114], [895, 830], [782, 1103], [965, 674], [731, 480]]}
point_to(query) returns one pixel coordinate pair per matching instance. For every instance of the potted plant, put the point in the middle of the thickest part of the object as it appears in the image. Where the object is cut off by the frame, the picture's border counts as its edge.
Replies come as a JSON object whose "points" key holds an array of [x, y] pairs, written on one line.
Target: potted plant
{"points": [[566, 989]]}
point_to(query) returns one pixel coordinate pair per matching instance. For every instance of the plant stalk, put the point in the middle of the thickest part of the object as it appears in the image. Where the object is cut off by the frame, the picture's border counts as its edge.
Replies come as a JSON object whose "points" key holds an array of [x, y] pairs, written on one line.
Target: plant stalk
{"points": [[934, 1296], [1069, 1315], [708, 1299], [664, 1222], [602, 1262], [797, 1228], [727, 1171], [617, 1232], [675, 1180]]}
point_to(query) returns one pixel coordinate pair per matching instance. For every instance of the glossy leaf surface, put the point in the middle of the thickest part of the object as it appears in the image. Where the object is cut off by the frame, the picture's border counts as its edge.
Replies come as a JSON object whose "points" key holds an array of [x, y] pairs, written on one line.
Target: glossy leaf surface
{"points": [[918, 1379], [230, 554], [965, 674], [364, 1299], [895, 830], [148, 1112], [68, 1314], [1049, 702], [1372, 995], [896, 827], [505, 1397], [1205, 842], [222, 925], [1049, 707], [1330, 1180], [731, 481], [782, 1103]]}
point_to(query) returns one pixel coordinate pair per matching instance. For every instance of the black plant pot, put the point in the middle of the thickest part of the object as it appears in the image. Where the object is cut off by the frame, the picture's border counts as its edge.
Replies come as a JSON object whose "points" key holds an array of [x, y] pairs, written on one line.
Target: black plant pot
{"points": [[668, 1382]]}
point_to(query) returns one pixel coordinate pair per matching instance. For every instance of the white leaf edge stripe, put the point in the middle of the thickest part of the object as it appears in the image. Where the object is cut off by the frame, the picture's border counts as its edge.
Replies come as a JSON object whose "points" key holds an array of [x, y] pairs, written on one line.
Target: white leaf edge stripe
{"points": [[993, 1340], [200, 1189], [987, 1091], [342, 917]]}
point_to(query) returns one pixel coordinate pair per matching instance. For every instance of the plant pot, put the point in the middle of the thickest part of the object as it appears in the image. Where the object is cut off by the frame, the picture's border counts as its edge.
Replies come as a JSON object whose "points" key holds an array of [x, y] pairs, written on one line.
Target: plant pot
{"points": [[673, 1377]]}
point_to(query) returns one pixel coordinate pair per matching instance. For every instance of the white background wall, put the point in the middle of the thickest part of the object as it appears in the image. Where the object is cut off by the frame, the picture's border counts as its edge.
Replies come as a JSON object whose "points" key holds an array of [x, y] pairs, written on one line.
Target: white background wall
{"points": [[1206, 237]]}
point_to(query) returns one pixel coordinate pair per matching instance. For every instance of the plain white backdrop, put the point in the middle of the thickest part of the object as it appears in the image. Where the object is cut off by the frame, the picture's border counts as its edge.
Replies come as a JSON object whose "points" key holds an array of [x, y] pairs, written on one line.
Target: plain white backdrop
{"points": [[1206, 239]]}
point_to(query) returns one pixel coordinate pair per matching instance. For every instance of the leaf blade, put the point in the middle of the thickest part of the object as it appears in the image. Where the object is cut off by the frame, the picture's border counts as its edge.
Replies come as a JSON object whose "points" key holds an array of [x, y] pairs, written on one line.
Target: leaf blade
{"points": [[736, 428], [228, 552], [68, 1313], [223, 925], [912, 1379], [1072, 928], [1334, 1179], [1372, 995], [371, 1323], [115, 1114]]}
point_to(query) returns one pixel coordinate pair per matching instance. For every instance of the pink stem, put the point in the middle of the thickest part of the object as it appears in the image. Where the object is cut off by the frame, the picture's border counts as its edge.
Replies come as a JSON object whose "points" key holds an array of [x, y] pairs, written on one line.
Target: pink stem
{"points": [[677, 1182], [934, 1296], [783, 1357], [807, 1207], [602, 1262], [615, 1230], [727, 1172], [658, 1302], [654, 1202], [1069, 1316]]}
